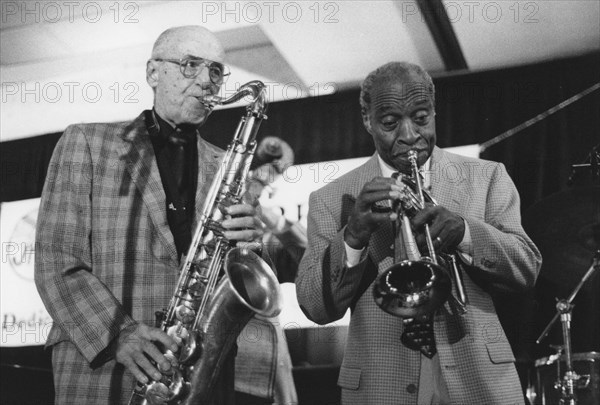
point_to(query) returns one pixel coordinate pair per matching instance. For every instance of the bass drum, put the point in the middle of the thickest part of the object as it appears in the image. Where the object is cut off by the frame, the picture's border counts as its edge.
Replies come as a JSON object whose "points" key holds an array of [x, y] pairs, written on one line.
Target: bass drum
{"points": [[548, 370]]}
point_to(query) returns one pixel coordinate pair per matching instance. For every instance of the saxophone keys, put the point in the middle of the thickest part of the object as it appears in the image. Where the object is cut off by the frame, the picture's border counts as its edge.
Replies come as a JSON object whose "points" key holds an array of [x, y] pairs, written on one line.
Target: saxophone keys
{"points": [[178, 332], [172, 357], [185, 314], [196, 288], [190, 351], [169, 388]]}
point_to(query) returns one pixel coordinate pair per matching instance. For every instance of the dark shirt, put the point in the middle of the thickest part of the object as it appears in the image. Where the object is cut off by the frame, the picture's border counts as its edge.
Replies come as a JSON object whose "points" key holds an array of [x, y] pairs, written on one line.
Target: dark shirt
{"points": [[177, 158]]}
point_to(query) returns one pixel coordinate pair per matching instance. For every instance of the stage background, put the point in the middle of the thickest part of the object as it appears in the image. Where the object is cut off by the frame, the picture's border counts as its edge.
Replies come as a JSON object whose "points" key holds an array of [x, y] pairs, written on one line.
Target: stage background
{"points": [[471, 108]]}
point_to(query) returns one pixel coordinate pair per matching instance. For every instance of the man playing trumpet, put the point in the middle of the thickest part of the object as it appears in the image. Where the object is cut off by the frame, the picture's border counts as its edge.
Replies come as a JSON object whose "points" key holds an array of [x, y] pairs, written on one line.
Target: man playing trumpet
{"points": [[453, 357]]}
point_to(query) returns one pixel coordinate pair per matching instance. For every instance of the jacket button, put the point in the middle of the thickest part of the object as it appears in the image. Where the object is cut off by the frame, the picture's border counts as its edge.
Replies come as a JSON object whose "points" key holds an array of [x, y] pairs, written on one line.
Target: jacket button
{"points": [[411, 388]]}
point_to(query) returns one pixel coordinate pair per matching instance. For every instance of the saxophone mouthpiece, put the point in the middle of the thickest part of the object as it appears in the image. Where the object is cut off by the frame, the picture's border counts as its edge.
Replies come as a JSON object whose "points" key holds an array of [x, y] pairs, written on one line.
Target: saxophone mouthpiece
{"points": [[210, 101]]}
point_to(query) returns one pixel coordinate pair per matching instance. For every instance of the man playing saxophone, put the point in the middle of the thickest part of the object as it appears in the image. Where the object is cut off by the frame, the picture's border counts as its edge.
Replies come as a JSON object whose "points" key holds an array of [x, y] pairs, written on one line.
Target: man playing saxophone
{"points": [[450, 356], [116, 216]]}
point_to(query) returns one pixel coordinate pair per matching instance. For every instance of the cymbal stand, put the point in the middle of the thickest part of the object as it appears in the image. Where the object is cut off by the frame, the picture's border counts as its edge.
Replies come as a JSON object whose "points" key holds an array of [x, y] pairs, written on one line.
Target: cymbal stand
{"points": [[579, 172], [563, 310]]}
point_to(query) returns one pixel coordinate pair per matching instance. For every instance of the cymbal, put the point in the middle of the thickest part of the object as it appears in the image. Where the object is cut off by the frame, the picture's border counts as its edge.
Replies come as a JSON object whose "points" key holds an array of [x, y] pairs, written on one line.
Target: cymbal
{"points": [[566, 228]]}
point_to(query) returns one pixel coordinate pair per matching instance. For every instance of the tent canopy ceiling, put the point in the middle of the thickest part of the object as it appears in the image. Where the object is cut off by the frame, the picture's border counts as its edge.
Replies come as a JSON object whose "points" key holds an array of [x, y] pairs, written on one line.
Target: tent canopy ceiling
{"points": [[298, 48]]}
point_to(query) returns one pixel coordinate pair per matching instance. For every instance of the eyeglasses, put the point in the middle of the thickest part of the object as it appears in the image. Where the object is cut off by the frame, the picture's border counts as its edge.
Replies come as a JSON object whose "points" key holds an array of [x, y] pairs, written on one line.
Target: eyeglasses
{"points": [[190, 68]]}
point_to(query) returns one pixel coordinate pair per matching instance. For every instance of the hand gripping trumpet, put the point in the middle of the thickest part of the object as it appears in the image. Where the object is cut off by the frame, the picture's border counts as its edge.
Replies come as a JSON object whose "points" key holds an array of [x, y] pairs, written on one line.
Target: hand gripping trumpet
{"points": [[220, 287], [416, 284]]}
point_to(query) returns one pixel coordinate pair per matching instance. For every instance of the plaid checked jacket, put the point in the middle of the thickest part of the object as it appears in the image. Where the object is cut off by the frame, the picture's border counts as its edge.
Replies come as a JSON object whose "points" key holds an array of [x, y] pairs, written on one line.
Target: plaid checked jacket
{"points": [[105, 256], [476, 359]]}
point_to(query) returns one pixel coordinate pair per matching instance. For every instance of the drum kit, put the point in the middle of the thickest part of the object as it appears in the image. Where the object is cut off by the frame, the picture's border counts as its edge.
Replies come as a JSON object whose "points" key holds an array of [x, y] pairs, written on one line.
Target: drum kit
{"points": [[566, 229], [554, 384]]}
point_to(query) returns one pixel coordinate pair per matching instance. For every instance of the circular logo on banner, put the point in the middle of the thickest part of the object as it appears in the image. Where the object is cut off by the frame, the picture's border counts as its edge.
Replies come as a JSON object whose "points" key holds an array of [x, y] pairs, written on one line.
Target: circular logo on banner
{"points": [[22, 245]]}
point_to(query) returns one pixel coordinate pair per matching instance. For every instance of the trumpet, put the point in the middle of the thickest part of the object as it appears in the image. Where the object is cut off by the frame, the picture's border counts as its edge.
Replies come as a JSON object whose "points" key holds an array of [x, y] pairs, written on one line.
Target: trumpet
{"points": [[416, 284]]}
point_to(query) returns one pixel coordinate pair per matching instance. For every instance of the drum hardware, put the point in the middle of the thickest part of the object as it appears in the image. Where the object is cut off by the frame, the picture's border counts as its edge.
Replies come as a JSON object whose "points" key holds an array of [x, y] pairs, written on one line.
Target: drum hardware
{"points": [[544, 386], [588, 171], [582, 382], [571, 380]]}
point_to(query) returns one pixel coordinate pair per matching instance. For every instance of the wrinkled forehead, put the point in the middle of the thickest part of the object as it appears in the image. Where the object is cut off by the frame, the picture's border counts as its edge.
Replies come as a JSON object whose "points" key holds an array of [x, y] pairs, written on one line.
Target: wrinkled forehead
{"points": [[400, 92], [203, 49], [199, 43]]}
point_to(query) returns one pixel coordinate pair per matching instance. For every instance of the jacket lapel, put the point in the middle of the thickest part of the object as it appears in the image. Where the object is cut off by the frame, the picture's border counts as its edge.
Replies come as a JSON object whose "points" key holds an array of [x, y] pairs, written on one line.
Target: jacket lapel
{"points": [[138, 154], [448, 188], [447, 181]]}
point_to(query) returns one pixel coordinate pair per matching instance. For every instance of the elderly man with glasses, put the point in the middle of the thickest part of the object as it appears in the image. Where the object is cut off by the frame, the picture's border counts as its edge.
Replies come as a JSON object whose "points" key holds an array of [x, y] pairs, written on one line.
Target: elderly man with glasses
{"points": [[117, 213]]}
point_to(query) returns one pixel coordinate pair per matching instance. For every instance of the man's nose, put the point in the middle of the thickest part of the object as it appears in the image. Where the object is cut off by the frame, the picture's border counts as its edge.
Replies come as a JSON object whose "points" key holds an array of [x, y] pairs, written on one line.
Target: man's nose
{"points": [[407, 133], [203, 80], [203, 76]]}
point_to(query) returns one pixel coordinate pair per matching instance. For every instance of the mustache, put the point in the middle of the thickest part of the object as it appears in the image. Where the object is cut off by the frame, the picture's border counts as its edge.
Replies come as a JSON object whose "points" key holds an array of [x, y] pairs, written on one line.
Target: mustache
{"points": [[203, 90]]}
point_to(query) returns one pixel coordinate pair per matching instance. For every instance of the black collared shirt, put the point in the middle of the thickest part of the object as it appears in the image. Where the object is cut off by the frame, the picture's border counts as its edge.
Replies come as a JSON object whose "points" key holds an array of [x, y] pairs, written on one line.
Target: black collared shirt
{"points": [[177, 159]]}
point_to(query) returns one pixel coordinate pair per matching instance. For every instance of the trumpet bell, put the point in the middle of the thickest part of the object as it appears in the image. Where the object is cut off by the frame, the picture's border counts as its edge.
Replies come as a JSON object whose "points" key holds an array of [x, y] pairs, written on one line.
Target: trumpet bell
{"points": [[409, 289]]}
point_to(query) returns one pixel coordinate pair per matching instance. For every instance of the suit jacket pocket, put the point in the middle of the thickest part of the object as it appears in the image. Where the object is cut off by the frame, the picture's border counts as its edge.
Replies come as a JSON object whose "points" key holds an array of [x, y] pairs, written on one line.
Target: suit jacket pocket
{"points": [[349, 378], [500, 352]]}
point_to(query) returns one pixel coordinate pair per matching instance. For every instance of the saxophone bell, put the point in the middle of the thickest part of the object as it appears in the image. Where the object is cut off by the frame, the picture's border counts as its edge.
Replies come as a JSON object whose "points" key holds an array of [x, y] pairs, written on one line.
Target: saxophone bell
{"points": [[247, 272]]}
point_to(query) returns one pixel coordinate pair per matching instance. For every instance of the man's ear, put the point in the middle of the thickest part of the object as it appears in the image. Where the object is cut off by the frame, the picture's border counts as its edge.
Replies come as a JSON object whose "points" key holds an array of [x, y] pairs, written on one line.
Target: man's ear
{"points": [[152, 73], [366, 121]]}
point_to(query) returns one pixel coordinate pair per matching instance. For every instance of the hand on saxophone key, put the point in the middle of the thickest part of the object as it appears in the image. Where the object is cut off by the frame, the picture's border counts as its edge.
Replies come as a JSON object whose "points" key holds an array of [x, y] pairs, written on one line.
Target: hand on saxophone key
{"points": [[242, 223], [137, 351]]}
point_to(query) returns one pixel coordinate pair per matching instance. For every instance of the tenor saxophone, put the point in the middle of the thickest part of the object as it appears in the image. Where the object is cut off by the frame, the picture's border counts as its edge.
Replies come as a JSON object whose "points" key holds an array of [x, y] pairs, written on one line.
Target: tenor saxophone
{"points": [[220, 287]]}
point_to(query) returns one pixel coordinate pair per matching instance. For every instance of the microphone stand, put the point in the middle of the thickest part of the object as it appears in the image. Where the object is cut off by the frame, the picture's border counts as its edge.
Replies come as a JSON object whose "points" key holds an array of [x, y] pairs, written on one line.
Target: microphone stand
{"points": [[563, 310]]}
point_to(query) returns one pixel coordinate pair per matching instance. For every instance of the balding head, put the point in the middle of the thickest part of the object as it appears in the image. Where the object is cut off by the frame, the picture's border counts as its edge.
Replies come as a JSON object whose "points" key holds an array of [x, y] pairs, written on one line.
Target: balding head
{"points": [[177, 98], [188, 40]]}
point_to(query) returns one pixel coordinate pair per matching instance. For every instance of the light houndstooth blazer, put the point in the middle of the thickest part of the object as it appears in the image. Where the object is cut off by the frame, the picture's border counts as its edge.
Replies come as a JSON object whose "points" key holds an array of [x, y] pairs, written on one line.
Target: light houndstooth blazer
{"points": [[476, 359], [105, 255]]}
